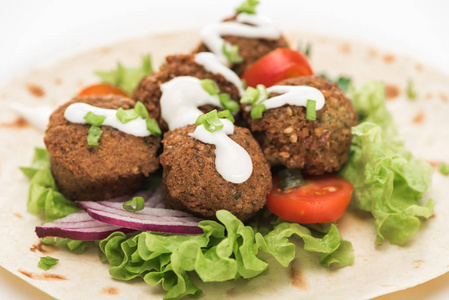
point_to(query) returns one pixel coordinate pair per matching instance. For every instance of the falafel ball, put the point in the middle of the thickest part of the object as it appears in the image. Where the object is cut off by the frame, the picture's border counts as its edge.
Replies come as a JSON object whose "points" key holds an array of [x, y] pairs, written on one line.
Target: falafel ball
{"points": [[317, 147], [190, 181], [117, 166], [149, 90], [249, 49]]}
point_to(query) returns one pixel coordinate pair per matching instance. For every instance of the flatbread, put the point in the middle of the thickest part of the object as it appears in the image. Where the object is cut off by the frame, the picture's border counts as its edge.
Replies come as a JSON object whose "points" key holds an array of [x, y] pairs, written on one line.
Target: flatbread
{"points": [[377, 270]]}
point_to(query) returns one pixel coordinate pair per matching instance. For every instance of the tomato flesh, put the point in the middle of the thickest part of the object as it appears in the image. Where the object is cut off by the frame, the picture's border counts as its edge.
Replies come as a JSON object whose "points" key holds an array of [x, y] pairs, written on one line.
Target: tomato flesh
{"points": [[102, 89], [277, 65], [323, 199]]}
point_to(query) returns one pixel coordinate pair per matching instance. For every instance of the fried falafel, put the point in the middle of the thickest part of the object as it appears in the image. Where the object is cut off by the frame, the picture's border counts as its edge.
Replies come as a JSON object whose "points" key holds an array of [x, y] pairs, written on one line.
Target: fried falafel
{"points": [[117, 166]]}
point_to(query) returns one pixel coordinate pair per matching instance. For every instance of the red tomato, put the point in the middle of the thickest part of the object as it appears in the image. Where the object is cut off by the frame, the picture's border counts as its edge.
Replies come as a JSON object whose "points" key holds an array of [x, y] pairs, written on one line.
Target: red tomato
{"points": [[277, 65], [323, 199], [102, 89]]}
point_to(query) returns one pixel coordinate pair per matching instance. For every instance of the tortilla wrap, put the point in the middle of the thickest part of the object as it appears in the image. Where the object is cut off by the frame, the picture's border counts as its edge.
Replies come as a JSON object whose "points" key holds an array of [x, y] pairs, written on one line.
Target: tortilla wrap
{"points": [[377, 270]]}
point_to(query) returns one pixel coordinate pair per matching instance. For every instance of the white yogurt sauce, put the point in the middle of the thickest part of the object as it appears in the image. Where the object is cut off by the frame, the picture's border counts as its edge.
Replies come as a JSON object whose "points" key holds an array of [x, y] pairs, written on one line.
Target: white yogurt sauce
{"points": [[212, 64], [261, 27], [180, 100], [294, 95], [36, 116], [76, 112], [233, 163]]}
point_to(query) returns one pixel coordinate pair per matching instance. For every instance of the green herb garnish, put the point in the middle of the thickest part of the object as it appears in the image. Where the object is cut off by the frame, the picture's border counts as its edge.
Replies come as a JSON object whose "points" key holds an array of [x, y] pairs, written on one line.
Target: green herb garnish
{"points": [[226, 114], [93, 135], [93, 119], [257, 111], [47, 262], [290, 178], [247, 7], [411, 93], [250, 96], [153, 127], [311, 110], [127, 78], [141, 110], [444, 168], [211, 120], [210, 86], [255, 97], [135, 204], [125, 116], [232, 53], [228, 103]]}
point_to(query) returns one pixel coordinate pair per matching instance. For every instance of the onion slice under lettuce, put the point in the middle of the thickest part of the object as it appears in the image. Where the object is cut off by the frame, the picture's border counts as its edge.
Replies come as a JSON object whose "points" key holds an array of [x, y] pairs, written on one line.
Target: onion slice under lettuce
{"points": [[148, 219], [79, 226]]}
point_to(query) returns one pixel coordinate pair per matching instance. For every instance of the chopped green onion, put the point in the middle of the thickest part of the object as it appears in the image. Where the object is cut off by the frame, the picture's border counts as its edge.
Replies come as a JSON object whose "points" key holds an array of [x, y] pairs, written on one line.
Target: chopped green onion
{"points": [[257, 111], [411, 93], [244, 84], [444, 168], [153, 127], [210, 86], [141, 110], [47, 262], [227, 103], [344, 83], [311, 110], [93, 135], [232, 53], [135, 204], [125, 116], [93, 119], [200, 120], [250, 96], [248, 7], [226, 114], [210, 121], [290, 178]]}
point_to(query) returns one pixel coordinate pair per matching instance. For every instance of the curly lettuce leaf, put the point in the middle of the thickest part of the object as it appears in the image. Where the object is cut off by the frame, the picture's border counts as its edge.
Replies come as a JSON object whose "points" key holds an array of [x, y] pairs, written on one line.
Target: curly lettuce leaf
{"points": [[43, 196], [388, 181], [127, 78], [225, 251]]}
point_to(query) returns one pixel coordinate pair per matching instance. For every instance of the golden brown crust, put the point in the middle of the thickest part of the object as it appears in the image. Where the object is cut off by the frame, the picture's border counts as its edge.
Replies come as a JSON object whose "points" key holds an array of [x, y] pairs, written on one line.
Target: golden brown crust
{"points": [[117, 166], [149, 92], [288, 138], [190, 181]]}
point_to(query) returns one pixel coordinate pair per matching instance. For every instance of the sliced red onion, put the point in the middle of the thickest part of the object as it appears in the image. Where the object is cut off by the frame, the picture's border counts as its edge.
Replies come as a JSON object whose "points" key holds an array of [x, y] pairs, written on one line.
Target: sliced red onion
{"points": [[148, 219], [79, 226]]}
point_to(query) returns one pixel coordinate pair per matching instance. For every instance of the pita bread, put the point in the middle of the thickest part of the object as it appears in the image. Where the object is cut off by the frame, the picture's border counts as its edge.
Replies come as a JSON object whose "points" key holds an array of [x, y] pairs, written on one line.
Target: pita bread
{"points": [[377, 270]]}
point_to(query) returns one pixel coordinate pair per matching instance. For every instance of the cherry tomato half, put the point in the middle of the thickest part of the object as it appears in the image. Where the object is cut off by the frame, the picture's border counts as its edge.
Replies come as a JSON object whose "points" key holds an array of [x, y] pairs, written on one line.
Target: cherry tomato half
{"points": [[323, 199], [277, 65], [102, 89]]}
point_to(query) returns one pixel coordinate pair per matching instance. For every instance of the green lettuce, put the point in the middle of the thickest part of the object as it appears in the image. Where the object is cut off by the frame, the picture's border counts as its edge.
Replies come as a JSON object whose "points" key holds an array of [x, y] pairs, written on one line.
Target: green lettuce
{"points": [[43, 196], [388, 181], [226, 251], [127, 78]]}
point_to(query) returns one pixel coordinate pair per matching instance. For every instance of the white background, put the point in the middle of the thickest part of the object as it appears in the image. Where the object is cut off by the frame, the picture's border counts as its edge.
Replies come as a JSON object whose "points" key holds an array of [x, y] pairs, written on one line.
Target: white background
{"points": [[34, 33]]}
